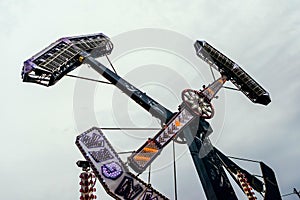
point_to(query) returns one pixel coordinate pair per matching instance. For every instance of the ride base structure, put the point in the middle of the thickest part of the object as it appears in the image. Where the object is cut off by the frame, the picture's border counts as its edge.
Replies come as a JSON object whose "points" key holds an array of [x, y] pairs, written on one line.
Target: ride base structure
{"points": [[188, 125]]}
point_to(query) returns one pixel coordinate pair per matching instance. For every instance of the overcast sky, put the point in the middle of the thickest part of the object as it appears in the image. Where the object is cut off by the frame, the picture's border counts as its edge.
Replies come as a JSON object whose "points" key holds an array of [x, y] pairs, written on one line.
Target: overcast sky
{"points": [[39, 124]]}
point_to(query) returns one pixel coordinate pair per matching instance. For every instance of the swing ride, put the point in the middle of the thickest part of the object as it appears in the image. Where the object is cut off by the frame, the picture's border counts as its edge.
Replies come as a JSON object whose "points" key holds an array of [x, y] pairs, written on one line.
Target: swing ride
{"points": [[187, 125]]}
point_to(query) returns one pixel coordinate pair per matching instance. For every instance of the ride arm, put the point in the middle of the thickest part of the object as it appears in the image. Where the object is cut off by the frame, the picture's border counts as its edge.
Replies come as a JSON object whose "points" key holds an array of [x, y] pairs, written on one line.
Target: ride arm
{"points": [[269, 187], [48, 66], [233, 168], [141, 98]]}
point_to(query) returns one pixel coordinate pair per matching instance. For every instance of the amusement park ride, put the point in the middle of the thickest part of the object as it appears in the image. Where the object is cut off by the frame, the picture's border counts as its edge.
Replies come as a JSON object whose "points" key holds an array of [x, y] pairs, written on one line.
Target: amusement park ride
{"points": [[187, 125]]}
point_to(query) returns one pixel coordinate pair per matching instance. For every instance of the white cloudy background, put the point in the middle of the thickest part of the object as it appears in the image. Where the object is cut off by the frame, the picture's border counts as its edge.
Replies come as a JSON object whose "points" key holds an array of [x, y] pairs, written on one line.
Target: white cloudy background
{"points": [[38, 129]]}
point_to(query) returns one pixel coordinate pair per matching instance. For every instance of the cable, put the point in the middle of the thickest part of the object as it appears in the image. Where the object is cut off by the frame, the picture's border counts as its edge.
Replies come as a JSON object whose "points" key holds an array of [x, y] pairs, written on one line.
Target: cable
{"points": [[243, 159], [287, 194], [111, 64], [256, 175], [294, 192], [125, 152], [212, 73], [174, 166], [88, 79], [230, 88], [130, 129], [149, 174]]}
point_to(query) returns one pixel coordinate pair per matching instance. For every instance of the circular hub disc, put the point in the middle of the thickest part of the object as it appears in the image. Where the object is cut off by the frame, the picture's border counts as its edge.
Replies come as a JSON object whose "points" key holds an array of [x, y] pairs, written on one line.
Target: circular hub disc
{"points": [[197, 103]]}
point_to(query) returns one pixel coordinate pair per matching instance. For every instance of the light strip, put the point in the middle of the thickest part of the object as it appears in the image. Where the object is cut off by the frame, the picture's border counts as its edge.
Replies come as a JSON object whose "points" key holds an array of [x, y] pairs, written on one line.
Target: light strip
{"points": [[146, 154], [233, 71]]}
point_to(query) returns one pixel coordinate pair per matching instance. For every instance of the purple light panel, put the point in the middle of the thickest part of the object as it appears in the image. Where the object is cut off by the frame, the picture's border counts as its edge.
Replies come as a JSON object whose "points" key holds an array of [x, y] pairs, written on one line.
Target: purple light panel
{"points": [[112, 170]]}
